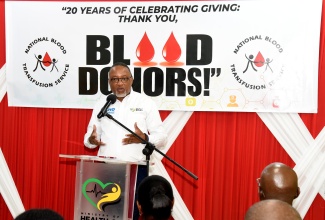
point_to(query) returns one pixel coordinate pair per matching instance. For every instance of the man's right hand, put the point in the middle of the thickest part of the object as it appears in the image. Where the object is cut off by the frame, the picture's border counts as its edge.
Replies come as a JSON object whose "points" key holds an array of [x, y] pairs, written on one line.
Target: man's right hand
{"points": [[93, 138]]}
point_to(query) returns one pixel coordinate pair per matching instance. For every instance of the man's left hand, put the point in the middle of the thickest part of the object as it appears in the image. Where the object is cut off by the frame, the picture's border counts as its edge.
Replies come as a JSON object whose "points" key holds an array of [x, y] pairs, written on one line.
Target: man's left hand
{"points": [[131, 139]]}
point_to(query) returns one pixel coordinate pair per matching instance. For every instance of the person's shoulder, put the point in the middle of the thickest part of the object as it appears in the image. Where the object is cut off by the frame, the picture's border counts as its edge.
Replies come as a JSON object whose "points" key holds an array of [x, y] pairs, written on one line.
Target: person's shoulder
{"points": [[143, 100], [135, 93], [142, 96]]}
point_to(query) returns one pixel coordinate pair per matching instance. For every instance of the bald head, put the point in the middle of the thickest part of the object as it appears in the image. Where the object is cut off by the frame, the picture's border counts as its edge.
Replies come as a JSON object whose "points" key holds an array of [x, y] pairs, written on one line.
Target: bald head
{"points": [[272, 210], [278, 181]]}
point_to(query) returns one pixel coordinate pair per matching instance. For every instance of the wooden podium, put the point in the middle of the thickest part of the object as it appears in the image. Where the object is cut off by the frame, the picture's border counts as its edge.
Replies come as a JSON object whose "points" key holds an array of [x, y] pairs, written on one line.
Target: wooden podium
{"points": [[106, 188]]}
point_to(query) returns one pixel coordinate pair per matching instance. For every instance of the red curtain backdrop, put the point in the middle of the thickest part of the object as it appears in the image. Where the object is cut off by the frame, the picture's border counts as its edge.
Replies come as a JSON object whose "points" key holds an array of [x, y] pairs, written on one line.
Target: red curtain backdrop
{"points": [[227, 151]]}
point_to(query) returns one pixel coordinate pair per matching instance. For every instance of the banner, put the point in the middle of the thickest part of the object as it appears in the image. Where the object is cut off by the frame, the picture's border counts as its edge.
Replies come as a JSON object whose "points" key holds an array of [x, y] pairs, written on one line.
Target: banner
{"points": [[244, 56]]}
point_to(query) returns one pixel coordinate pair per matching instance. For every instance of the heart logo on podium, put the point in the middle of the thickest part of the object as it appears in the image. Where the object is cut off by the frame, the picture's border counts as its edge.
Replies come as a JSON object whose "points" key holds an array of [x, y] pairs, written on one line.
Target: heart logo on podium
{"points": [[112, 192]]}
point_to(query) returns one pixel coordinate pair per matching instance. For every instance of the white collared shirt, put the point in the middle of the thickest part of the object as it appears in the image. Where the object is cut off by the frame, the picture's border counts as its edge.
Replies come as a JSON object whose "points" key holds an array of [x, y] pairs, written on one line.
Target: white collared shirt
{"points": [[135, 107]]}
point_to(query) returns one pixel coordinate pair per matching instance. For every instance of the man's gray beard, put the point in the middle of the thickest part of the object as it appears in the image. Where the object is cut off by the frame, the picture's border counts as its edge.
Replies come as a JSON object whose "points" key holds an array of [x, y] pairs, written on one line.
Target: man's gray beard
{"points": [[121, 95]]}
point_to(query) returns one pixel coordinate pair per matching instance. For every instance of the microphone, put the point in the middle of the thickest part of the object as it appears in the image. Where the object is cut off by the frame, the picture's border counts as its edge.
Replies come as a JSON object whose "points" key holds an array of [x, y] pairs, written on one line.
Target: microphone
{"points": [[111, 99]]}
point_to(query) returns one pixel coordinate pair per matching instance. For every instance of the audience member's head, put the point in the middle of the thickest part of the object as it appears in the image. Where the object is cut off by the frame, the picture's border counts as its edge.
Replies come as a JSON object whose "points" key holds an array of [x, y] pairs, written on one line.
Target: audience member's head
{"points": [[39, 214], [278, 181], [272, 209], [155, 198]]}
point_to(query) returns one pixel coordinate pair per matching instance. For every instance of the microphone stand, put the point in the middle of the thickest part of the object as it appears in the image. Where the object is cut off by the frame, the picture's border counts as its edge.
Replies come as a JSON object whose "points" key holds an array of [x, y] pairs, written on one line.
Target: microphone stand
{"points": [[149, 148]]}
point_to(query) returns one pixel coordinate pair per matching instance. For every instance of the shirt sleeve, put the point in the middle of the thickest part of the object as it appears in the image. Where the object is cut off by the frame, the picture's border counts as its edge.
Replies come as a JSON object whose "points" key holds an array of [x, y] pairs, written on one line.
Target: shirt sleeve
{"points": [[93, 121]]}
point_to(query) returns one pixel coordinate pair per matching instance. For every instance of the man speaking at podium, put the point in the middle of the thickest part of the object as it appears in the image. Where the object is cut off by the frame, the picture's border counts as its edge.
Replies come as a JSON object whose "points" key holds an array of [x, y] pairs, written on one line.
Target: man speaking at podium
{"points": [[135, 111]]}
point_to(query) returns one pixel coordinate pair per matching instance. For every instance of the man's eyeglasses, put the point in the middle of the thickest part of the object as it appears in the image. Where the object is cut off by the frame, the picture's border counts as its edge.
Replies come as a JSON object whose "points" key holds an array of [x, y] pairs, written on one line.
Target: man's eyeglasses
{"points": [[123, 80]]}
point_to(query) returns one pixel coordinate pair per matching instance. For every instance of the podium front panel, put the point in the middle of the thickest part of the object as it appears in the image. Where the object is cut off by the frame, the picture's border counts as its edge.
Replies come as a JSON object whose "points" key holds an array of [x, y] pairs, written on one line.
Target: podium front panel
{"points": [[102, 190]]}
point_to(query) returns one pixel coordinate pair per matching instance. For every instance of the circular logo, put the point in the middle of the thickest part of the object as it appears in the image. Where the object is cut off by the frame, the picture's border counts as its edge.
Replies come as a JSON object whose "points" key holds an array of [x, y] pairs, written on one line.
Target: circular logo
{"points": [[45, 62], [258, 62], [259, 72]]}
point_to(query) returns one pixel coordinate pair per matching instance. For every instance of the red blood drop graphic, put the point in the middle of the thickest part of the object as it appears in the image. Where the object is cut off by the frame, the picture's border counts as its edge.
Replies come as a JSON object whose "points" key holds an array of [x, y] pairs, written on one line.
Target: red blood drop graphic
{"points": [[47, 60], [145, 51], [171, 51], [259, 60]]}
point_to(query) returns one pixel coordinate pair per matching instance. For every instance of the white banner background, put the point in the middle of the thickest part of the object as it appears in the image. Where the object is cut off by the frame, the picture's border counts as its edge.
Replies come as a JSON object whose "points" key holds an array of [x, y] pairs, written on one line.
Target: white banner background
{"points": [[281, 75]]}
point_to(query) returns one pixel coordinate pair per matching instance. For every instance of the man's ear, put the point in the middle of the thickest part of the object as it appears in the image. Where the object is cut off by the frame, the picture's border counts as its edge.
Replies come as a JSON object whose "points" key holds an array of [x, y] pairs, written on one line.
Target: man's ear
{"points": [[139, 207], [298, 193], [261, 193]]}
